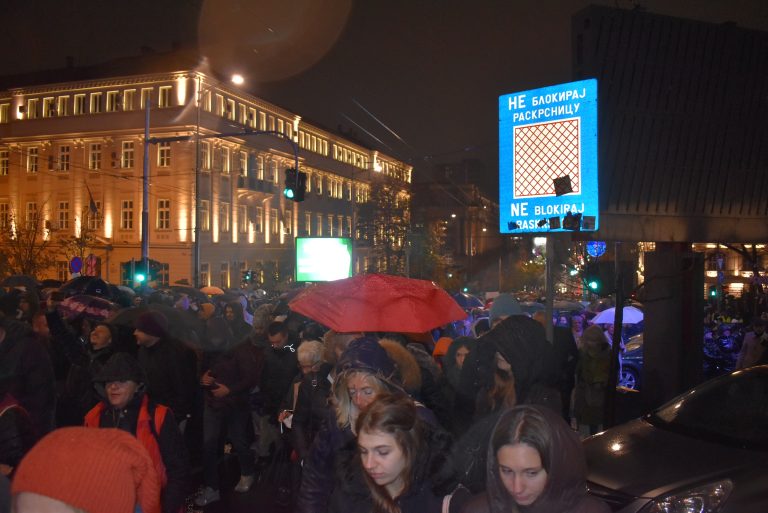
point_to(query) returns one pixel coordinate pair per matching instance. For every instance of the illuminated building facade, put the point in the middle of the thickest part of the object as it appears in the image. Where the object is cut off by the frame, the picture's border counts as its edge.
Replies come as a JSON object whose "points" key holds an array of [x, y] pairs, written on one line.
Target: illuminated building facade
{"points": [[73, 152]]}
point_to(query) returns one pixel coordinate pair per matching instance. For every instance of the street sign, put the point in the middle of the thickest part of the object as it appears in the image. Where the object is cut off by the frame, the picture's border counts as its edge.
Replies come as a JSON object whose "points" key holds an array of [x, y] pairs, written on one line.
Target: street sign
{"points": [[75, 265], [548, 159]]}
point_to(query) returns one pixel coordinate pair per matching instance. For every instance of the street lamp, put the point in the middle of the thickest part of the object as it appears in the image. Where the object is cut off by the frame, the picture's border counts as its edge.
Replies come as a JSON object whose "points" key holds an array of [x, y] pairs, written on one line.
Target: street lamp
{"points": [[237, 80]]}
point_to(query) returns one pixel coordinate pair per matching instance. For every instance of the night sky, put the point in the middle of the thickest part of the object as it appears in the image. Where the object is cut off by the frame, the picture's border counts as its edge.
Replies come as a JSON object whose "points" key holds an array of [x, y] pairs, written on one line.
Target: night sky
{"points": [[418, 79]]}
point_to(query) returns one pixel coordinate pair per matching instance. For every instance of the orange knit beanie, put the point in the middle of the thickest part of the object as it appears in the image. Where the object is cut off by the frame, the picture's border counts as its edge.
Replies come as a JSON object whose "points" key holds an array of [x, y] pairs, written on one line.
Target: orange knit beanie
{"points": [[95, 470]]}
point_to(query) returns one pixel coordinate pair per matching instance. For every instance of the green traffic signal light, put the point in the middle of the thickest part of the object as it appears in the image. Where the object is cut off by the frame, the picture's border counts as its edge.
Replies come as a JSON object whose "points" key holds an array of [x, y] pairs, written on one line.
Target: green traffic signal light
{"points": [[140, 277], [288, 193], [593, 285]]}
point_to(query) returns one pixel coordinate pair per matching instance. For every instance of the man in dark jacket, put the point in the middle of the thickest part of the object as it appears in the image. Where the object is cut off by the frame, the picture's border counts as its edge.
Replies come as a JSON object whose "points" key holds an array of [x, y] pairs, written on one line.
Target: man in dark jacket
{"points": [[26, 368], [168, 365], [280, 367], [228, 381], [562, 366]]}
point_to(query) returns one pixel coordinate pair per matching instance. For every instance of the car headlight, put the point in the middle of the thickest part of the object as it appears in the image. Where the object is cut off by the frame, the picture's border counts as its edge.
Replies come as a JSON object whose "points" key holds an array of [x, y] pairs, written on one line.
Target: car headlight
{"points": [[703, 499]]}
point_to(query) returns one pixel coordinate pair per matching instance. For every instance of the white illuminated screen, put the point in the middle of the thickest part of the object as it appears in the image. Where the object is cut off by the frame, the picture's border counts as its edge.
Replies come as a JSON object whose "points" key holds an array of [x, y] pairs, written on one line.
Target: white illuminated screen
{"points": [[323, 258]]}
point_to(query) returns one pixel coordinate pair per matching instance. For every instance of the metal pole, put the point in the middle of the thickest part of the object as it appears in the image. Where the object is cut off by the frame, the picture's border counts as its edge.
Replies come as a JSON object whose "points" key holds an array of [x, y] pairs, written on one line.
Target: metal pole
{"points": [[196, 245], [551, 264], [145, 193]]}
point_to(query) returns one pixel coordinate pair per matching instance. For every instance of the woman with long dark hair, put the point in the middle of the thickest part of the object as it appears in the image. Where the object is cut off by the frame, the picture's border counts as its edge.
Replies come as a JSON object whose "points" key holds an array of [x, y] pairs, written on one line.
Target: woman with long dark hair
{"points": [[403, 459], [536, 464]]}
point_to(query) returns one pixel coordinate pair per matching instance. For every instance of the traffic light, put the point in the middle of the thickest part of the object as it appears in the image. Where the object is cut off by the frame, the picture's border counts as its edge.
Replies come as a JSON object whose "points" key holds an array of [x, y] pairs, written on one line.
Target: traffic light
{"points": [[295, 184], [247, 276], [712, 292], [598, 277]]}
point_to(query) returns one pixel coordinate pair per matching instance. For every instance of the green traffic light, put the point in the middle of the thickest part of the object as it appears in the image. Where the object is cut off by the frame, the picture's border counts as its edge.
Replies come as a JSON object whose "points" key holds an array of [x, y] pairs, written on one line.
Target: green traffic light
{"points": [[713, 293], [288, 193], [593, 285], [140, 277]]}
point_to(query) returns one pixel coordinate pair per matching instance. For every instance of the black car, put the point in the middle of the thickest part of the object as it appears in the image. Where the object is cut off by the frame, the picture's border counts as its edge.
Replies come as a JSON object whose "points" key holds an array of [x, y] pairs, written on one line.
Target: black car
{"points": [[706, 451], [631, 363]]}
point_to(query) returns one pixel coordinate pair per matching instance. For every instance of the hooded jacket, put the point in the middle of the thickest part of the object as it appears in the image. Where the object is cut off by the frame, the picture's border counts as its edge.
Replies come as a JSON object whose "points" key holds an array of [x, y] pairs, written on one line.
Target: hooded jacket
{"points": [[318, 477], [522, 343], [153, 424], [566, 488]]}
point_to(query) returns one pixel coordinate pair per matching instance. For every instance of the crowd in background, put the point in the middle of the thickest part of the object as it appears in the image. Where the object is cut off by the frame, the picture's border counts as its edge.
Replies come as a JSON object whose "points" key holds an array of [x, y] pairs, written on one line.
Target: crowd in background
{"points": [[382, 422]]}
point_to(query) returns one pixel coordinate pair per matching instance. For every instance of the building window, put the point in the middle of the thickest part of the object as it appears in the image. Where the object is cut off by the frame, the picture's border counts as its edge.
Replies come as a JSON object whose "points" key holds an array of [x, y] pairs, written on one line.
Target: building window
{"points": [[146, 97], [129, 96], [244, 163], [164, 97], [127, 155], [62, 270], [126, 215], [94, 156], [63, 215], [164, 275], [205, 215], [231, 109], [280, 125], [79, 104], [319, 185], [330, 225], [164, 154], [226, 160], [252, 118], [262, 121], [205, 155], [319, 225], [204, 275], [242, 218], [32, 159], [273, 172], [63, 158], [49, 107], [272, 123], [31, 212], [224, 275], [224, 217], [32, 108], [348, 231], [5, 163], [62, 107], [113, 101], [95, 103], [163, 214], [340, 226], [5, 215], [274, 221], [307, 223], [258, 220], [94, 218], [349, 191], [4, 110], [288, 222], [260, 168]]}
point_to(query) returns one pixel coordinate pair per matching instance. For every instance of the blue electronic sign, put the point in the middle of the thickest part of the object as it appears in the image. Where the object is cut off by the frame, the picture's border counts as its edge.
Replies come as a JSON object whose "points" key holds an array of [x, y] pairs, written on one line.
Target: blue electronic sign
{"points": [[548, 159]]}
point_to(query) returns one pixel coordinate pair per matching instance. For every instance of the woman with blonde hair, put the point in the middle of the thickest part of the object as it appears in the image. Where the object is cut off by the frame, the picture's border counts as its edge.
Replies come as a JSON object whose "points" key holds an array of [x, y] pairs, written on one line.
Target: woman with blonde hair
{"points": [[364, 372]]}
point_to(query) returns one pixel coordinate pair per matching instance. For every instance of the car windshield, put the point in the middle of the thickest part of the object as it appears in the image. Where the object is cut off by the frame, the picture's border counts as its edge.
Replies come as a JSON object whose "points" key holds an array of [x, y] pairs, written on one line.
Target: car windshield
{"points": [[732, 409]]}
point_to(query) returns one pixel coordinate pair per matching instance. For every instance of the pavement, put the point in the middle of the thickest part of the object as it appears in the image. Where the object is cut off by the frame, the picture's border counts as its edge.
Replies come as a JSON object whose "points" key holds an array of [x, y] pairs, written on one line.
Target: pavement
{"points": [[263, 496]]}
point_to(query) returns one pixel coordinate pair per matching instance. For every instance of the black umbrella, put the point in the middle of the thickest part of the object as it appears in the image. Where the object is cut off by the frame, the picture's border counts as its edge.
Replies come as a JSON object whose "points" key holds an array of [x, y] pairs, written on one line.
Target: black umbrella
{"points": [[20, 280], [91, 285], [182, 324], [191, 292]]}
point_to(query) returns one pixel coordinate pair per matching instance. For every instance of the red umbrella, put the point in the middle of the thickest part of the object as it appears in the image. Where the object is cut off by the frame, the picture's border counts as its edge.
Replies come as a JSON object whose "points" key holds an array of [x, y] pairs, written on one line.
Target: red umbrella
{"points": [[90, 306], [378, 302]]}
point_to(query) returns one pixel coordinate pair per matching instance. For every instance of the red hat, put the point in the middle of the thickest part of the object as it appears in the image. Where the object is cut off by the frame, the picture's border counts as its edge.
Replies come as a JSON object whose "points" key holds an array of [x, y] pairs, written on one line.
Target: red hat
{"points": [[95, 470]]}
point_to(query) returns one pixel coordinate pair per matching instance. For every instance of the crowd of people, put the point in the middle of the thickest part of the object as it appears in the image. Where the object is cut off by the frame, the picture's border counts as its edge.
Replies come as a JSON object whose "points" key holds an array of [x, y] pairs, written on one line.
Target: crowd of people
{"points": [[383, 422]]}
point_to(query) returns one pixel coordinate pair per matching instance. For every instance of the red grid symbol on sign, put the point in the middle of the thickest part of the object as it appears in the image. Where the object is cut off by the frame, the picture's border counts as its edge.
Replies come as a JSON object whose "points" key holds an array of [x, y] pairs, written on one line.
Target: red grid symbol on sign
{"points": [[544, 152]]}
